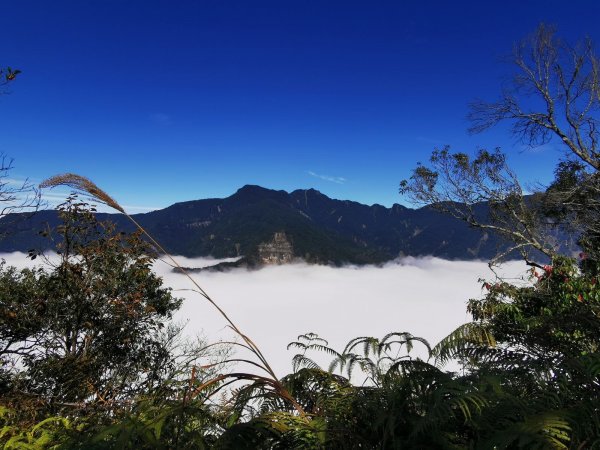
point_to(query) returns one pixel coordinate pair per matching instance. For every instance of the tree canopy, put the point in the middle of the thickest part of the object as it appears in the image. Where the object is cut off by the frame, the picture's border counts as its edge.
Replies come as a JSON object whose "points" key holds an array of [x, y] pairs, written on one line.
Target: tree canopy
{"points": [[87, 327]]}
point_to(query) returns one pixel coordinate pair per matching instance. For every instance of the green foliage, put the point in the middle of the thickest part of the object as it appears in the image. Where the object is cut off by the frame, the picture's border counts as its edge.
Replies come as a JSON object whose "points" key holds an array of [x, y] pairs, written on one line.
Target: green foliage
{"points": [[88, 360], [276, 430], [89, 328], [162, 425], [52, 433], [406, 403]]}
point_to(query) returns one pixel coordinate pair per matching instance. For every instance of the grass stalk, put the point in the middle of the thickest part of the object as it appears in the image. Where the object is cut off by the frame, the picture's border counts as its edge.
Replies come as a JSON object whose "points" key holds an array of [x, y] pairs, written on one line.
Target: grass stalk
{"points": [[85, 186]]}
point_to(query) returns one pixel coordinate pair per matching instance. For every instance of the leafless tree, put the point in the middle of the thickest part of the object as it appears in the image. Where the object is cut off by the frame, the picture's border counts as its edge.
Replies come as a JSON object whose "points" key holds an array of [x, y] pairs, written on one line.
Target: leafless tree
{"points": [[15, 195], [554, 94], [484, 192]]}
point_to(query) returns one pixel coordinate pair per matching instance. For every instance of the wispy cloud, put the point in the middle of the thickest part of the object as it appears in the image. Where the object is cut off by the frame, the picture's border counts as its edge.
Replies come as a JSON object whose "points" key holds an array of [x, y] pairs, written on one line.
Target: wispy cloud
{"points": [[55, 198], [338, 180], [138, 208], [17, 182], [548, 147]]}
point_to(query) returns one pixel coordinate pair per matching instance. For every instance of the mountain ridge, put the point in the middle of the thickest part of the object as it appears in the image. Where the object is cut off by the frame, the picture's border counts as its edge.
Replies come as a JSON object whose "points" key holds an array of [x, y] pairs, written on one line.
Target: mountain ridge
{"points": [[319, 229]]}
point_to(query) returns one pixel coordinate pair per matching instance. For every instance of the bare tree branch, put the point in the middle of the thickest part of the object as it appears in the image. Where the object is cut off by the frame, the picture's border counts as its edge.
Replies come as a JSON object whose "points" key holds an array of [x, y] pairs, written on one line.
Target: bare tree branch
{"points": [[485, 193], [555, 93]]}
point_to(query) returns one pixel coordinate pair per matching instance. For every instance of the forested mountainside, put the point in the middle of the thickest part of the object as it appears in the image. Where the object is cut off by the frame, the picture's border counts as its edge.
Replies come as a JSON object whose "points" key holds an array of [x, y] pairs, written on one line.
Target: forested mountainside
{"points": [[319, 229]]}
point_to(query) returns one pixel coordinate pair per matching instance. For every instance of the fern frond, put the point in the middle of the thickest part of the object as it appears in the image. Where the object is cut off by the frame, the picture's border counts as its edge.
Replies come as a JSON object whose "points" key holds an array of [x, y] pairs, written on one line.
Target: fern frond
{"points": [[546, 430], [303, 362], [465, 336], [369, 343]]}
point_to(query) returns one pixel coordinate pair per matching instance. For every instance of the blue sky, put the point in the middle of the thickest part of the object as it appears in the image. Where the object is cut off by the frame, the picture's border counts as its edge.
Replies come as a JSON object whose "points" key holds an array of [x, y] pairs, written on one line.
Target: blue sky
{"points": [[162, 101]]}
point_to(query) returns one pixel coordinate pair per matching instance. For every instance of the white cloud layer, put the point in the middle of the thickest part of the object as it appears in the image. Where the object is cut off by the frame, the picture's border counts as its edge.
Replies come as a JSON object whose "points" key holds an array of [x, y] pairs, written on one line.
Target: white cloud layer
{"points": [[424, 296]]}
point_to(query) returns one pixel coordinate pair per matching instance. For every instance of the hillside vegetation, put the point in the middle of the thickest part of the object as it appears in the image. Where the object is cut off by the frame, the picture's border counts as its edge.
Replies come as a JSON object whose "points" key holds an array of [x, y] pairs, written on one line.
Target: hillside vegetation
{"points": [[320, 229]]}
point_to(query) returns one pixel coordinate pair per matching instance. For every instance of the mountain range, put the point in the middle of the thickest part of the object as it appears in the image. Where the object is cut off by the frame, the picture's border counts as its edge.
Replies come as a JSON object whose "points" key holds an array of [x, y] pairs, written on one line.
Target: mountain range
{"points": [[263, 225]]}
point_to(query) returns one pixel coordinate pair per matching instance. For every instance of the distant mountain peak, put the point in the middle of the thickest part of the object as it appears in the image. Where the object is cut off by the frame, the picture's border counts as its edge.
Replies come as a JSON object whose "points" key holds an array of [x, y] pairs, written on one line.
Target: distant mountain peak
{"points": [[252, 188], [307, 191], [317, 228]]}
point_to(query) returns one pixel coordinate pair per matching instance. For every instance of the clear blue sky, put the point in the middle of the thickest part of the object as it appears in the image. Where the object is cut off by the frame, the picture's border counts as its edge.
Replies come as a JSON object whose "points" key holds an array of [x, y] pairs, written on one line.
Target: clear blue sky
{"points": [[165, 101]]}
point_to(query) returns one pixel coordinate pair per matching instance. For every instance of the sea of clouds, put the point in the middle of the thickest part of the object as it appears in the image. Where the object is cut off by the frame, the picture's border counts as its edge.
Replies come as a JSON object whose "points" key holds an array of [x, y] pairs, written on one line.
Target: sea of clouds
{"points": [[424, 296]]}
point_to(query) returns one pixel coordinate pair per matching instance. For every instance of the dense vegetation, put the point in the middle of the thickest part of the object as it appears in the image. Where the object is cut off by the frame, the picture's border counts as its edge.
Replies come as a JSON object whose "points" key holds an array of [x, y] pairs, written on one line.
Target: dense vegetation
{"points": [[87, 363], [320, 229]]}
